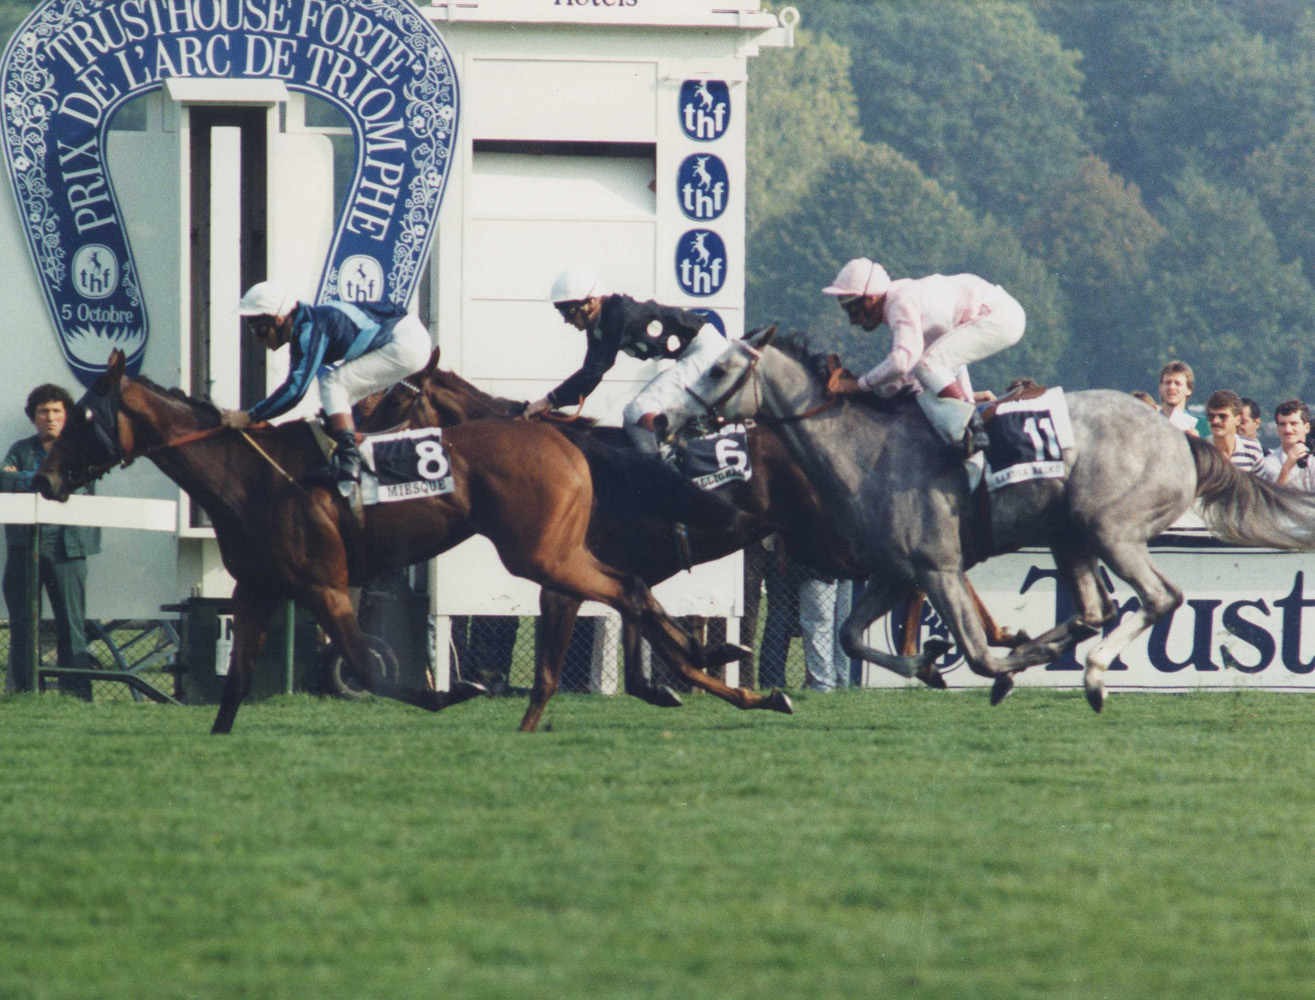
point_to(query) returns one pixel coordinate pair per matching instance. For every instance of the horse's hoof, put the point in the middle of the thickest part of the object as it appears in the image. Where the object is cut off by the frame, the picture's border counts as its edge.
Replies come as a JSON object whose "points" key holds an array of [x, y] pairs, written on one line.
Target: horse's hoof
{"points": [[722, 653], [933, 678], [779, 701], [1000, 690], [1096, 696], [934, 649], [662, 697], [465, 690]]}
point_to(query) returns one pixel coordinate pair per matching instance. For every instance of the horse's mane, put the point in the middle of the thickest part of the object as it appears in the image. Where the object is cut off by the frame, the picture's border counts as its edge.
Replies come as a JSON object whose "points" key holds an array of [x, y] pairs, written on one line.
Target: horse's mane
{"points": [[796, 345], [196, 402]]}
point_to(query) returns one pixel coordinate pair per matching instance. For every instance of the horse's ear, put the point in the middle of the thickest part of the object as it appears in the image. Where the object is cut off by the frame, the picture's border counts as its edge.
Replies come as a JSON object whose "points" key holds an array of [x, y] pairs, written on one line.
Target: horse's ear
{"points": [[115, 365], [432, 366], [761, 337]]}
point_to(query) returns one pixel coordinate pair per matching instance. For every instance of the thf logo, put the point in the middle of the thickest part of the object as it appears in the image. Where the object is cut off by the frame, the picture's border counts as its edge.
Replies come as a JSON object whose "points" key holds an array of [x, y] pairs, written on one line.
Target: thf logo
{"points": [[701, 262], [702, 186], [705, 109], [361, 279]]}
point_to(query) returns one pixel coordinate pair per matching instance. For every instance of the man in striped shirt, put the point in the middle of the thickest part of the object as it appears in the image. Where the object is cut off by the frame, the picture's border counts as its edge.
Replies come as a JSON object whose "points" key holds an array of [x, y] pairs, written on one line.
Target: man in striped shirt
{"points": [[1224, 412]]}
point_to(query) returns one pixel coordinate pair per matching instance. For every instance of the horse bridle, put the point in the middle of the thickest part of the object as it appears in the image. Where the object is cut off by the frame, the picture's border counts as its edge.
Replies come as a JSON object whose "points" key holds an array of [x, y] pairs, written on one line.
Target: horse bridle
{"points": [[712, 409]]}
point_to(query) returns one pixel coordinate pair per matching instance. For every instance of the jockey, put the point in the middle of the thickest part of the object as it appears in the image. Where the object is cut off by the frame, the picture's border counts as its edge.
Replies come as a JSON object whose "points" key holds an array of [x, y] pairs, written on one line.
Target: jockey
{"points": [[644, 330], [938, 324], [354, 348]]}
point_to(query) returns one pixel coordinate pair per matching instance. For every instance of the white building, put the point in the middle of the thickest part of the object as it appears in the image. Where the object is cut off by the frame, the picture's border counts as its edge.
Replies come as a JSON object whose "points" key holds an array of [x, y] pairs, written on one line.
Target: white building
{"points": [[607, 133]]}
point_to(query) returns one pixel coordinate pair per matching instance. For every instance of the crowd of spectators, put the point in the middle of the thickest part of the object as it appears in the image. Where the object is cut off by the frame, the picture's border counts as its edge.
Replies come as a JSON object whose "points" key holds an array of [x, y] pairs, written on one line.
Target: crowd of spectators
{"points": [[1232, 423]]}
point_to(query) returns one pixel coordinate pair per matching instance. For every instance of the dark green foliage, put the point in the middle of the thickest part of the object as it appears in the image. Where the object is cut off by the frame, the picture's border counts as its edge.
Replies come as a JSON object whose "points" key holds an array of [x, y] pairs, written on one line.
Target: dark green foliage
{"points": [[1138, 174]]}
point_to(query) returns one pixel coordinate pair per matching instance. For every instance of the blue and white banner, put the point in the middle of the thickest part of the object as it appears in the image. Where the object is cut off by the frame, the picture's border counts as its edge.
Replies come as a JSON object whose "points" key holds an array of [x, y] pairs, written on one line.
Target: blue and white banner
{"points": [[73, 63]]}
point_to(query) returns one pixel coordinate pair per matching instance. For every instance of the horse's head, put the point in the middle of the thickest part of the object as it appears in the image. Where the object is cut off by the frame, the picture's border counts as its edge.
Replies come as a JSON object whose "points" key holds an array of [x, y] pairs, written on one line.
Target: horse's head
{"points": [[729, 389], [95, 438]]}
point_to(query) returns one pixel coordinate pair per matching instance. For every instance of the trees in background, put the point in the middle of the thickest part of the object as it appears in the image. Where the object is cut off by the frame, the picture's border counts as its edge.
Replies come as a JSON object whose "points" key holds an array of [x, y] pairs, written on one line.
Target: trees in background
{"points": [[1139, 175]]}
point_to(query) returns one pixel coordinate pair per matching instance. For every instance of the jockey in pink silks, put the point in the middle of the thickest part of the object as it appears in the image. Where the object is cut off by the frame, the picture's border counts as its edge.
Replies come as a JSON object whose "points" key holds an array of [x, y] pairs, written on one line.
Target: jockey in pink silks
{"points": [[938, 324]]}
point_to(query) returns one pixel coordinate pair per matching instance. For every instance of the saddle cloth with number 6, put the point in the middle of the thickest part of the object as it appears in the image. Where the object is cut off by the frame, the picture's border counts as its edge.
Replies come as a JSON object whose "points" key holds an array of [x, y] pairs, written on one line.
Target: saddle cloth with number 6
{"points": [[404, 465], [1028, 438]]}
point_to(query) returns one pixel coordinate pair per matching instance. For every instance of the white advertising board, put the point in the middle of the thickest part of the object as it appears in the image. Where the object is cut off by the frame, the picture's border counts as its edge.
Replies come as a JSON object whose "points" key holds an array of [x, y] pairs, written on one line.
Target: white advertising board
{"points": [[1250, 602]]}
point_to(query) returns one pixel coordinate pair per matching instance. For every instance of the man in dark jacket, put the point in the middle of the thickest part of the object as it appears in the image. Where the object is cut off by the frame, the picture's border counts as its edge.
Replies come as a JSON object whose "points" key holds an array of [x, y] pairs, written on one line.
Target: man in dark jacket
{"points": [[644, 330], [62, 552]]}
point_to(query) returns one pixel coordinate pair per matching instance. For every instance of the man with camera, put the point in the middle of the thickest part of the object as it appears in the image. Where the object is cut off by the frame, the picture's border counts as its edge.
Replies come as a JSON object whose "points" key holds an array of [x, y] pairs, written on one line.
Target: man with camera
{"points": [[1289, 465]]}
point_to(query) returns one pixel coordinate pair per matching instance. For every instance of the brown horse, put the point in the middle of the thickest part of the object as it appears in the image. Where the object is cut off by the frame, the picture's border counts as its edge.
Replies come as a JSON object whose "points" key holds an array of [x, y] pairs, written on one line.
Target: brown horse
{"points": [[779, 499], [521, 485]]}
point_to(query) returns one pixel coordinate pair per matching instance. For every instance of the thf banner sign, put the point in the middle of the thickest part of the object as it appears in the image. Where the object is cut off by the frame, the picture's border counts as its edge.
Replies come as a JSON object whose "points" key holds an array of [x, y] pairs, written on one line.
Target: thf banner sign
{"points": [[72, 63]]}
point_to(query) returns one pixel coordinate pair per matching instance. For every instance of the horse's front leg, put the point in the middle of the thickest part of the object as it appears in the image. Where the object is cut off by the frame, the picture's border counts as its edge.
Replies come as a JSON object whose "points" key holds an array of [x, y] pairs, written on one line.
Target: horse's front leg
{"points": [[557, 613], [879, 596], [948, 592], [251, 615], [637, 685], [332, 608]]}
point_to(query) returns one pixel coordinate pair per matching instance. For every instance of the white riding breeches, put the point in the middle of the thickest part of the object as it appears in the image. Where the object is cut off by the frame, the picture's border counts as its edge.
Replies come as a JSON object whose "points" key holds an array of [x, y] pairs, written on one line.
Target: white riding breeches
{"points": [[665, 390], [1000, 328], [404, 355]]}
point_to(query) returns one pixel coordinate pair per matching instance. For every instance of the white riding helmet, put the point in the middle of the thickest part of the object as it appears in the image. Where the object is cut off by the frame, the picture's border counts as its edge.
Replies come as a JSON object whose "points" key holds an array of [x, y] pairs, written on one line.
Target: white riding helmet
{"points": [[266, 298], [859, 277], [575, 285]]}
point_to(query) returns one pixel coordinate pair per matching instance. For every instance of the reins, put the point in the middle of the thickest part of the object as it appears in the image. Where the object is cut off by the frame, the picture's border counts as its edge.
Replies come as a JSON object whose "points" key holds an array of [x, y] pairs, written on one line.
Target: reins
{"points": [[751, 371], [210, 432]]}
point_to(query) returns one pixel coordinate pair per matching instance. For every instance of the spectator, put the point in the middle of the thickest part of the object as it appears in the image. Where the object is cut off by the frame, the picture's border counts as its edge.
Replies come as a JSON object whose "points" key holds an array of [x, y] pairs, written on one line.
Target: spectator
{"points": [[63, 551], [824, 604], [1223, 410], [1288, 465], [802, 602], [1146, 398], [1176, 384], [1250, 426]]}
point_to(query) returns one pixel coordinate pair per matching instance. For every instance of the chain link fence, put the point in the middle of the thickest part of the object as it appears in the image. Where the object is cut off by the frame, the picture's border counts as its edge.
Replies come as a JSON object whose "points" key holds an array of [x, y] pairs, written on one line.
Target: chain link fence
{"points": [[791, 620]]}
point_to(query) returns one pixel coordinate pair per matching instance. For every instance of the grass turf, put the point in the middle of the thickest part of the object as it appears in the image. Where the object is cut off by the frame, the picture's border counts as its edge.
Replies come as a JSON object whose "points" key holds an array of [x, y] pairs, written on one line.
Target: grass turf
{"points": [[899, 843]]}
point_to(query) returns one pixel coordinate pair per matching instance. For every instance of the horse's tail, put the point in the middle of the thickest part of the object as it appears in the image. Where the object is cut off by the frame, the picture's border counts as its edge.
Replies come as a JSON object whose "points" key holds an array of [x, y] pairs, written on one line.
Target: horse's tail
{"points": [[1246, 510], [628, 483]]}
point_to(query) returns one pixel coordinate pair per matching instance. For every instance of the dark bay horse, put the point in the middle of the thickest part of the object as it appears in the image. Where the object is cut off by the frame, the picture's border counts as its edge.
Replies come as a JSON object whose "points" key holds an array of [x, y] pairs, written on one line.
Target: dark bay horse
{"points": [[521, 485], [778, 498], [901, 501]]}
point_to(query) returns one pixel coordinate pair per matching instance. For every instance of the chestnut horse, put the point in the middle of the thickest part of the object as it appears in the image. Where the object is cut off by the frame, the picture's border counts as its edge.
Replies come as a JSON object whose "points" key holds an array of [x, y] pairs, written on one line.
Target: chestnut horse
{"points": [[778, 498], [521, 485]]}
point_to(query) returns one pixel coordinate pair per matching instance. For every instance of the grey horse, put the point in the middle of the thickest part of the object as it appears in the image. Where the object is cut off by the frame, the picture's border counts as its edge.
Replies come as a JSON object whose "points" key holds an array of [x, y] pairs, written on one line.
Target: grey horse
{"points": [[902, 501]]}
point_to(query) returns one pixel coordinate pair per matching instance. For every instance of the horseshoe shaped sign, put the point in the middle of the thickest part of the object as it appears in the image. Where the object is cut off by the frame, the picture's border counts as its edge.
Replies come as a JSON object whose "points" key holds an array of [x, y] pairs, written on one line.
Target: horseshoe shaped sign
{"points": [[73, 63]]}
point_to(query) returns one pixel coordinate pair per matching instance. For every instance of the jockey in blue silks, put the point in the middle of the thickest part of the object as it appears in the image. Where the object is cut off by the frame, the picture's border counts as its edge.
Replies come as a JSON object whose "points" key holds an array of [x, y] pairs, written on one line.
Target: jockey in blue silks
{"points": [[352, 348]]}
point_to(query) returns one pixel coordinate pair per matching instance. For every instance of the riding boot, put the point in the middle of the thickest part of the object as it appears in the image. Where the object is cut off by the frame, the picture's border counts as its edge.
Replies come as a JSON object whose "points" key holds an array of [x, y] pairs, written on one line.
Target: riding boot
{"points": [[347, 470], [346, 457], [952, 419]]}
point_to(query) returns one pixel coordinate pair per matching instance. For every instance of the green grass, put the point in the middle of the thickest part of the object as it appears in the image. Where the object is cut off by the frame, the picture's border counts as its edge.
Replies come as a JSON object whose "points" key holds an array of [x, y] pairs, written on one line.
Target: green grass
{"points": [[878, 844]]}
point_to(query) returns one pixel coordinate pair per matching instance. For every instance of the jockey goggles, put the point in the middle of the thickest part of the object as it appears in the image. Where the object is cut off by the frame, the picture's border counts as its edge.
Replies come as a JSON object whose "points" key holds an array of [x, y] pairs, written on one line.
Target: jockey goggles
{"points": [[570, 310]]}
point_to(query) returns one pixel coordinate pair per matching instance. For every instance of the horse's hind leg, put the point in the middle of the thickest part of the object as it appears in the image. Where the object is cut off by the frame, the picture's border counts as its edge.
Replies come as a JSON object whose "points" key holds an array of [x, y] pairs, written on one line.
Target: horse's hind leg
{"points": [[879, 596], [1131, 561], [251, 615], [333, 610], [1078, 567]]}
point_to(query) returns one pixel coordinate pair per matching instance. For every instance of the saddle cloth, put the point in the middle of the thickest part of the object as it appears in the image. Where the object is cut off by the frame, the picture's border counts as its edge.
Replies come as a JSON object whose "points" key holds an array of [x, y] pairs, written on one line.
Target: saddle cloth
{"points": [[1028, 438], [717, 459], [404, 465]]}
